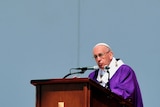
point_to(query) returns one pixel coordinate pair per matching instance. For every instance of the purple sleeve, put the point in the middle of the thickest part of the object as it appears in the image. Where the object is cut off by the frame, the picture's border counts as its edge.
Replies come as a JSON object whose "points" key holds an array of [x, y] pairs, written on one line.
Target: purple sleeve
{"points": [[124, 83], [93, 75]]}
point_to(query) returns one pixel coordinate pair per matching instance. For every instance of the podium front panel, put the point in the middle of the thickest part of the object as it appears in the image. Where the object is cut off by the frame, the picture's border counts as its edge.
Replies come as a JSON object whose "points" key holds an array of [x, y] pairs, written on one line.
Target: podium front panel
{"points": [[76, 92], [71, 95]]}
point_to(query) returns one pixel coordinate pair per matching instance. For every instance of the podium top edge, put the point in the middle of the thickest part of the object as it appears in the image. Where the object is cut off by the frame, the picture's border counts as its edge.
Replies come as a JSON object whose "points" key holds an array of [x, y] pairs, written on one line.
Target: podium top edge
{"points": [[59, 80]]}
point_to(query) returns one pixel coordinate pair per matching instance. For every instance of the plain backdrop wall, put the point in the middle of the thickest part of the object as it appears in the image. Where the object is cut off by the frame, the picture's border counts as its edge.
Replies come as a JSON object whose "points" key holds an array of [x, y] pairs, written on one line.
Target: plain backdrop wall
{"points": [[44, 39]]}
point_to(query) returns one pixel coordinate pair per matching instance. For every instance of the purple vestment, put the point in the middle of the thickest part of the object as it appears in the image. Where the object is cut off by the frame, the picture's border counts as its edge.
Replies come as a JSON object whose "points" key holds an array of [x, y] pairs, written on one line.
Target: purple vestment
{"points": [[124, 83]]}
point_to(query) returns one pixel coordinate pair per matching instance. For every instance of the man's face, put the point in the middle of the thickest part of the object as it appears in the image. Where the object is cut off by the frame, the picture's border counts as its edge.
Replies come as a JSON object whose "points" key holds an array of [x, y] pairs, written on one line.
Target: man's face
{"points": [[102, 55]]}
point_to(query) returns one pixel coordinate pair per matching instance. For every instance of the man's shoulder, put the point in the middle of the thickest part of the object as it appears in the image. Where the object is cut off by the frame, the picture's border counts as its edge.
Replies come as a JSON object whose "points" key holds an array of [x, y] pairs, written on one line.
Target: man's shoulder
{"points": [[125, 67]]}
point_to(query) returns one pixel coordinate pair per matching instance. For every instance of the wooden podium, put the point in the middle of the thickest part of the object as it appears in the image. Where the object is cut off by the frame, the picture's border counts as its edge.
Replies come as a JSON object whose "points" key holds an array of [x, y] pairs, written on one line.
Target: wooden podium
{"points": [[75, 92]]}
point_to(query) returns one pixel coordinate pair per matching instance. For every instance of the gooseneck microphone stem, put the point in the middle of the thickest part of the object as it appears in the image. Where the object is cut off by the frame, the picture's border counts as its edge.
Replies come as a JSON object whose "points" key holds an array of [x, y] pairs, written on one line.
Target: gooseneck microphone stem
{"points": [[71, 73], [82, 70]]}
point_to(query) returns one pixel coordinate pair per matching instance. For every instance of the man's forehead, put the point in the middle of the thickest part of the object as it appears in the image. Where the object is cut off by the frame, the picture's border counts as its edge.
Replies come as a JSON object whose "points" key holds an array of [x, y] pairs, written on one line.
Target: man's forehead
{"points": [[100, 49]]}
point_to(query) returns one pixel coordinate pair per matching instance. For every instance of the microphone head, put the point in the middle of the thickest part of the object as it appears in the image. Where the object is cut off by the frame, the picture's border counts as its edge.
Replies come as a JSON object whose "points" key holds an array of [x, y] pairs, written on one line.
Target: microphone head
{"points": [[106, 67], [95, 67], [87, 68]]}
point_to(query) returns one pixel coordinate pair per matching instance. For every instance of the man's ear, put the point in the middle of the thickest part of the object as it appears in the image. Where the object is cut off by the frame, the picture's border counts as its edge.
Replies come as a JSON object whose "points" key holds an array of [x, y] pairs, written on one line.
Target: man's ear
{"points": [[110, 54]]}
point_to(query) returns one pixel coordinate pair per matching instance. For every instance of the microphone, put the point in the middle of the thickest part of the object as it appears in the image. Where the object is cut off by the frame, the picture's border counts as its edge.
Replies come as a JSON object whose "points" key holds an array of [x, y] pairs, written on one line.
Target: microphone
{"points": [[83, 69], [87, 68], [106, 67]]}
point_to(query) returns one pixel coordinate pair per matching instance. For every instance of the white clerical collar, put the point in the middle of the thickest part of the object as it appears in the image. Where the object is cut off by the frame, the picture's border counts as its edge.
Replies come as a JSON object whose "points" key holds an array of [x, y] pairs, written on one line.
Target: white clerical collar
{"points": [[114, 65]]}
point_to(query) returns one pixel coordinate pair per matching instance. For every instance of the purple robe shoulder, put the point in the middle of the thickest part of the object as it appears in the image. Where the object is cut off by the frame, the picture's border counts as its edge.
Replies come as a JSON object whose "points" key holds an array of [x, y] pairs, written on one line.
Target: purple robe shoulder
{"points": [[124, 83]]}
